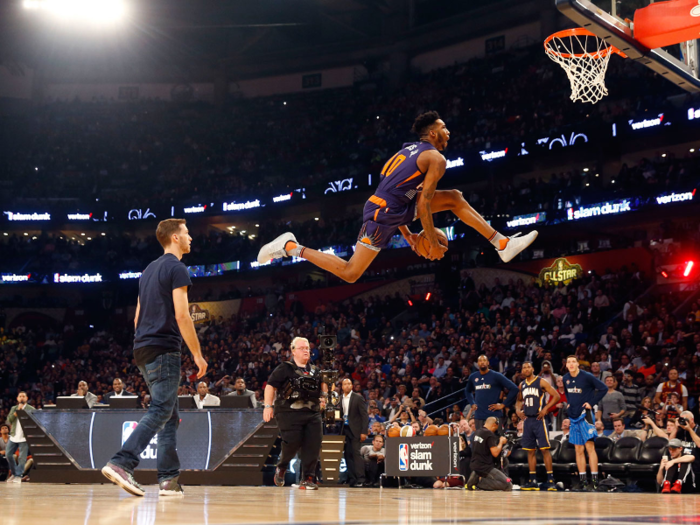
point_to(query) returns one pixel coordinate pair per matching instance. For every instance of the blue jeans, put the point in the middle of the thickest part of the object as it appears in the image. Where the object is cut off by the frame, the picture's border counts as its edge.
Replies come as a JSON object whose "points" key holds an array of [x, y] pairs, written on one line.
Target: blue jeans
{"points": [[16, 468], [162, 418]]}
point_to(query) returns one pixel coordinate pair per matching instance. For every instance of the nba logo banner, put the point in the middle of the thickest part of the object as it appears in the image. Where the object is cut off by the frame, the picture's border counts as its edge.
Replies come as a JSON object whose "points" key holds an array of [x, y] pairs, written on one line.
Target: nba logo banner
{"points": [[421, 456], [127, 428], [403, 457]]}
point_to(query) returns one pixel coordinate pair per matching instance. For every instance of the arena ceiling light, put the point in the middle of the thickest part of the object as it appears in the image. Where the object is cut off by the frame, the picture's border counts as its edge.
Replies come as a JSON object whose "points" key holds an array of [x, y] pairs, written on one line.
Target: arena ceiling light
{"points": [[96, 11]]}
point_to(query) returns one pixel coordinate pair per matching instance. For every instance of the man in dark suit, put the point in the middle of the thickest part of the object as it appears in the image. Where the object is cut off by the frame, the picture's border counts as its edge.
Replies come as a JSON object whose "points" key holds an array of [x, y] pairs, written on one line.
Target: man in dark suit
{"points": [[117, 390], [355, 427]]}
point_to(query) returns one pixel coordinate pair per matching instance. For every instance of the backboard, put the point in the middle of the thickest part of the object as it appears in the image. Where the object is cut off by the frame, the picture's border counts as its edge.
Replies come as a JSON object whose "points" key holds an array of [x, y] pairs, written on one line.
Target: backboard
{"points": [[611, 21]]}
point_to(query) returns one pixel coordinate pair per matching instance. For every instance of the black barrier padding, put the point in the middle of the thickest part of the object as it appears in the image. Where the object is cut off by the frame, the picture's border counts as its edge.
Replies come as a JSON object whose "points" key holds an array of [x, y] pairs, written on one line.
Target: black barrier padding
{"points": [[71, 429]]}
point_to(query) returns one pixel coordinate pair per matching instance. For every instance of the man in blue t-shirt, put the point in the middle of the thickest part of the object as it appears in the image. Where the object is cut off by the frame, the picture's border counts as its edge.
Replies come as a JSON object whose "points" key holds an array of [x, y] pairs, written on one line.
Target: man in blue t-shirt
{"points": [[484, 389], [583, 392], [162, 321]]}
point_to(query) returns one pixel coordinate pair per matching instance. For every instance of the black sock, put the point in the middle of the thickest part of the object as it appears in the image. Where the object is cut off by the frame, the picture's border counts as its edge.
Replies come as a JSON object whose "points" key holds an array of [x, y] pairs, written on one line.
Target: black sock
{"points": [[582, 475], [594, 475]]}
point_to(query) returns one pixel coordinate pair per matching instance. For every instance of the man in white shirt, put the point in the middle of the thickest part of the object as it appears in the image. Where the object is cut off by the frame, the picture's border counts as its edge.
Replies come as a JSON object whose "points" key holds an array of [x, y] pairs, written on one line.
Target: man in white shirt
{"points": [[17, 440], [204, 398]]}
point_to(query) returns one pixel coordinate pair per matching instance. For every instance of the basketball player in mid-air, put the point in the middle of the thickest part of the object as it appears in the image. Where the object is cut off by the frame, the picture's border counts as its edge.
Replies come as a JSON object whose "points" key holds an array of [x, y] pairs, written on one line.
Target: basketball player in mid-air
{"points": [[407, 191], [534, 411]]}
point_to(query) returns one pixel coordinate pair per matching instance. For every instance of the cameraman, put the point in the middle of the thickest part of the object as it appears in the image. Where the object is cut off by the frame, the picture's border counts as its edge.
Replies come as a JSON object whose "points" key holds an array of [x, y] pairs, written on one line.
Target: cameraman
{"points": [[486, 447], [688, 433], [299, 395]]}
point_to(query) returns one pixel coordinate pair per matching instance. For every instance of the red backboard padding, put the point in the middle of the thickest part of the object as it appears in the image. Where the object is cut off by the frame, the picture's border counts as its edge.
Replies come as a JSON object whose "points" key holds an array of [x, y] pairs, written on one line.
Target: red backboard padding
{"points": [[666, 23]]}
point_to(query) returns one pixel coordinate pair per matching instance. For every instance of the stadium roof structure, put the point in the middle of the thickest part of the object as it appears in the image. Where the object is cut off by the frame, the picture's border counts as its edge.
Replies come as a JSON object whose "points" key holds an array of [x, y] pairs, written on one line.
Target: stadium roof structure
{"points": [[234, 34]]}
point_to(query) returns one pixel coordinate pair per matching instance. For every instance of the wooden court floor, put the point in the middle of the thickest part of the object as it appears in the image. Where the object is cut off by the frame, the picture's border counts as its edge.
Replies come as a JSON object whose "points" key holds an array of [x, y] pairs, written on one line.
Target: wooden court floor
{"points": [[43, 504]]}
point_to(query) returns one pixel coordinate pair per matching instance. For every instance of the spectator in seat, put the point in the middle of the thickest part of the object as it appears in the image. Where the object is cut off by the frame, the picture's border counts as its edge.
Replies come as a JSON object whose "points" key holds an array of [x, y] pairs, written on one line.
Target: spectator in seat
{"points": [[241, 390], [669, 431], [117, 391], [675, 473], [377, 429], [598, 373], [641, 413], [204, 398], [620, 432], [374, 416], [84, 392], [424, 420], [391, 408], [600, 428], [373, 456], [563, 435], [672, 385], [4, 440], [612, 406], [224, 385], [631, 392], [672, 408], [17, 440], [649, 388]]}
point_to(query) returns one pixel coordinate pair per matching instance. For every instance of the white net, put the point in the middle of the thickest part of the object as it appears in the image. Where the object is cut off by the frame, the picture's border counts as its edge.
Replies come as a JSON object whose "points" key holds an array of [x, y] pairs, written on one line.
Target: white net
{"points": [[585, 59]]}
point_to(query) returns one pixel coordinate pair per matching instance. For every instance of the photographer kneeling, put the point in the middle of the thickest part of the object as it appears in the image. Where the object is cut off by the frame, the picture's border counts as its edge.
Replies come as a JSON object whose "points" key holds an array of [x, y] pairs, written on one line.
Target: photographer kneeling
{"points": [[299, 396], [486, 447]]}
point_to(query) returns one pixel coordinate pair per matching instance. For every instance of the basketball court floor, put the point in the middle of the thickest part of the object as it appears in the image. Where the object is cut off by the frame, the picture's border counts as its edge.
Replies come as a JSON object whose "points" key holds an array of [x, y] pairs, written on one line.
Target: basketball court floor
{"points": [[30, 504]]}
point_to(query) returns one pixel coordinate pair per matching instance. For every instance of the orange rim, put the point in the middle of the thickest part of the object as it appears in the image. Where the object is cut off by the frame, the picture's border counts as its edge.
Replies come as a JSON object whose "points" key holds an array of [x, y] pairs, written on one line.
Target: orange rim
{"points": [[579, 31]]}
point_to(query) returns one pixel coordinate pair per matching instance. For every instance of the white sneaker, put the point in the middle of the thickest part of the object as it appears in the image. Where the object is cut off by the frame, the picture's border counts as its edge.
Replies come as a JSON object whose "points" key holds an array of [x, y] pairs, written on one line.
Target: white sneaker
{"points": [[16, 479], [275, 249], [10, 479], [516, 244]]}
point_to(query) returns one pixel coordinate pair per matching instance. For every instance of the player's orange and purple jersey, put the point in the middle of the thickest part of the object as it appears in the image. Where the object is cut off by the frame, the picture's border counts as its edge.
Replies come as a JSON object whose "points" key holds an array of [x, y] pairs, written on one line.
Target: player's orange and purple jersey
{"points": [[394, 201], [400, 178]]}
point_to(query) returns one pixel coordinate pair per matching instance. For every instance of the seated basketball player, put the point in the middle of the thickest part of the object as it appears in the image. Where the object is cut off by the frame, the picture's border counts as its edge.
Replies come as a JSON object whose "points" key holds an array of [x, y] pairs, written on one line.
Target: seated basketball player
{"points": [[407, 191]]}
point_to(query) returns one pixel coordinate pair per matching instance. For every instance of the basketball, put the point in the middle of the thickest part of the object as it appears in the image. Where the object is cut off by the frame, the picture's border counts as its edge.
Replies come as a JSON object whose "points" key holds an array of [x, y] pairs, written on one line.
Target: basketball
{"points": [[423, 245], [443, 430], [407, 431], [393, 432], [432, 430]]}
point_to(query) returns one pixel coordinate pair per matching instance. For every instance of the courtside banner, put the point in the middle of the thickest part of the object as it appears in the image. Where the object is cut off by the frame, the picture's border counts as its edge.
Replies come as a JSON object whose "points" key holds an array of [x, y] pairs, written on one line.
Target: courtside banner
{"points": [[422, 456]]}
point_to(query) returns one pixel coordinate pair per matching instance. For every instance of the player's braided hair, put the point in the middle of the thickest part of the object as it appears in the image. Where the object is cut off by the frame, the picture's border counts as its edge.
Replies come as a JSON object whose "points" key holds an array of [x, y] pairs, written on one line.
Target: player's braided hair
{"points": [[423, 122]]}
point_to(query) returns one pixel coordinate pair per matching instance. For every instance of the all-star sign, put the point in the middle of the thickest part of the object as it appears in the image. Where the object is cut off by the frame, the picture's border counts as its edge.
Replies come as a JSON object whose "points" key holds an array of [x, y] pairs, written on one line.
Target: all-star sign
{"points": [[198, 314], [561, 271]]}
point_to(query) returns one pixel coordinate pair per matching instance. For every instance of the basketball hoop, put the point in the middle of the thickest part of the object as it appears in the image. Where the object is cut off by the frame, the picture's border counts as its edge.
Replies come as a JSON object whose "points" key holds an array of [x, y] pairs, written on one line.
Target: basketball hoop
{"points": [[585, 58]]}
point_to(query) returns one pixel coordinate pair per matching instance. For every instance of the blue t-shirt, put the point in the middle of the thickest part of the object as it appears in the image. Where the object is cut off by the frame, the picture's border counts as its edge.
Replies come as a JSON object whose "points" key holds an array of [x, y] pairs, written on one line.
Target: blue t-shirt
{"points": [[584, 388], [485, 390], [156, 325]]}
